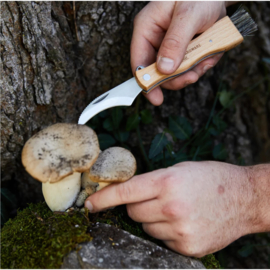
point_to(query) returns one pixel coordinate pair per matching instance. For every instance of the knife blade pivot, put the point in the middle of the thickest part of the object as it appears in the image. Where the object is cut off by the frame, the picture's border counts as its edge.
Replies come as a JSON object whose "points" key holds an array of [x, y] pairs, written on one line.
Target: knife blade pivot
{"points": [[139, 68]]}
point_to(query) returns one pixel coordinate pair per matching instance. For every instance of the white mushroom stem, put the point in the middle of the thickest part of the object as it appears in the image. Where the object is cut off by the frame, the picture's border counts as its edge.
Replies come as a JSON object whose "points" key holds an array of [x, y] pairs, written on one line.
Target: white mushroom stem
{"points": [[61, 195]]}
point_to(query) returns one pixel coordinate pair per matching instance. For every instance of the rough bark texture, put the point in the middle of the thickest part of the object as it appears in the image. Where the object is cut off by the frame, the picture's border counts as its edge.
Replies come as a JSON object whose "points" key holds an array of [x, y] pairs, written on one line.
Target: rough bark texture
{"points": [[53, 62], [56, 57]]}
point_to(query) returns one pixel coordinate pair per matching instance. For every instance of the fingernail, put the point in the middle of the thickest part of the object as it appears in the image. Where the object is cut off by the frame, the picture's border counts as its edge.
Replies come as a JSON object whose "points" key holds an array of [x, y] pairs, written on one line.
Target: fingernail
{"points": [[89, 205], [205, 68], [165, 63]]}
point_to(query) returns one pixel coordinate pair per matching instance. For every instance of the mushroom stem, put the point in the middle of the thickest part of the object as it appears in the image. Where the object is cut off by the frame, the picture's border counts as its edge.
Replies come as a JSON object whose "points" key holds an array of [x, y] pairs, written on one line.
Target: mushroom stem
{"points": [[61, 195], [81, 198]]}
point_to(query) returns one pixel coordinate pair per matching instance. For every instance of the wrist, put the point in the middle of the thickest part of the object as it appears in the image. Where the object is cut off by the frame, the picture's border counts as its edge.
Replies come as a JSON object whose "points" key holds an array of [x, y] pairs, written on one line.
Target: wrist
{"points": [[257, 216]]}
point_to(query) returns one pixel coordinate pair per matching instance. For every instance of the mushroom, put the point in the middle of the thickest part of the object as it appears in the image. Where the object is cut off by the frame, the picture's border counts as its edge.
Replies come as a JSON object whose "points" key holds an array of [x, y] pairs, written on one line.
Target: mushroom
{"points": [[56, 156], [59, 150], [115, 164]]}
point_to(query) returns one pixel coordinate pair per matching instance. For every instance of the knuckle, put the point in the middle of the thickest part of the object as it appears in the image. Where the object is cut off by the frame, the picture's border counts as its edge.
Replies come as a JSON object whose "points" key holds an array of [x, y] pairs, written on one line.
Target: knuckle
{"points": [[172, 42], [185, 232], [123, 192], [189, 245], [168, 182], [171, 211]]}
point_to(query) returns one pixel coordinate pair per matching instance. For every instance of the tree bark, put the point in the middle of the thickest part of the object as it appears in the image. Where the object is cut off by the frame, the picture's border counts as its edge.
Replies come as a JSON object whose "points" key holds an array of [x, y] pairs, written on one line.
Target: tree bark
{"points": [[57, 56]]}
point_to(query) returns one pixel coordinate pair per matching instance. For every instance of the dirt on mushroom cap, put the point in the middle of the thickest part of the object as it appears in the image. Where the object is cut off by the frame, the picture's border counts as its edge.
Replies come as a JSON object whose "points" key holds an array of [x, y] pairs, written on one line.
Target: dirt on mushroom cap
{"points": [[115, 164], [59, 150]]}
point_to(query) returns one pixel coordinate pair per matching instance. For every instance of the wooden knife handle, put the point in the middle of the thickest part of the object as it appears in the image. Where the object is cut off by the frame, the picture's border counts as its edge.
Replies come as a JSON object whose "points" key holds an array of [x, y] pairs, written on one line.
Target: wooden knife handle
{"points": [[221, 37]]}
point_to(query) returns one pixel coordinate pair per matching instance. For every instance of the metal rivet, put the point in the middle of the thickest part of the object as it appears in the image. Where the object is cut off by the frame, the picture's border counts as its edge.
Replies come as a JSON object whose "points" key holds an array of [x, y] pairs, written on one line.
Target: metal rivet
{"points": [[139, 68], [146, 77]]}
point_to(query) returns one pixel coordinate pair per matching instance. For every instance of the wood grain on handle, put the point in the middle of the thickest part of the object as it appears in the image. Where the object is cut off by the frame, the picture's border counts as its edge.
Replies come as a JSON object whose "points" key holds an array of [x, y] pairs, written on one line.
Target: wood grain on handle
{"points": [[222, 36]]}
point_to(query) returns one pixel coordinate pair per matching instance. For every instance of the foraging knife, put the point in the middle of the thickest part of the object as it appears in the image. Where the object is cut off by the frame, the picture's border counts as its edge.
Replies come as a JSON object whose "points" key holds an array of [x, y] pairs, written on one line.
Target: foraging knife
{"points": [[224, 35]]}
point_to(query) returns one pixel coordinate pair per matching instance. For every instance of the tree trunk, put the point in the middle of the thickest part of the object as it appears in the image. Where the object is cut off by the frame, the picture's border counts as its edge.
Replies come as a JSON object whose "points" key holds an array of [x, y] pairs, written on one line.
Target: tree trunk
{"points": [[57, 56]]}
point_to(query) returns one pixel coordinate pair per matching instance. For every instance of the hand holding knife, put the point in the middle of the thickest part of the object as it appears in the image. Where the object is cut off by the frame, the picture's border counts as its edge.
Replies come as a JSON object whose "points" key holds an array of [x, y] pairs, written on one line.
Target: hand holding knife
{"points": [[224, 35]]}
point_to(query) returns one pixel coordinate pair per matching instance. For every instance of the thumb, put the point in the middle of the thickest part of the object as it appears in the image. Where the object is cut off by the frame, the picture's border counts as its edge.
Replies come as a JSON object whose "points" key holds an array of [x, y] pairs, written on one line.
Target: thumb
{"points": [[182, 29]]}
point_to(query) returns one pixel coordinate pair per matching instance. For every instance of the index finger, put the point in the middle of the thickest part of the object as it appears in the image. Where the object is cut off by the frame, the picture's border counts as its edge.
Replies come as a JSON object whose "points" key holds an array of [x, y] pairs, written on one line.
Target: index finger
{"points": [[143, 53], [149, 29], [139, 188]]}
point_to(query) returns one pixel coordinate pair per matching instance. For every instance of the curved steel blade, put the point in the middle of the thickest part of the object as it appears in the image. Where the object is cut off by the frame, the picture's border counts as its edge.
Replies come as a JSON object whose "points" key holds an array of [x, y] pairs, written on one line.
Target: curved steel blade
{"points": [[122, 95]]}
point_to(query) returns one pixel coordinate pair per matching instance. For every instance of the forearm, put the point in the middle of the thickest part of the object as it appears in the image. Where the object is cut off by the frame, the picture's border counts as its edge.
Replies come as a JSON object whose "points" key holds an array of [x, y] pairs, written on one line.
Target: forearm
{"points": [[258, 178]]}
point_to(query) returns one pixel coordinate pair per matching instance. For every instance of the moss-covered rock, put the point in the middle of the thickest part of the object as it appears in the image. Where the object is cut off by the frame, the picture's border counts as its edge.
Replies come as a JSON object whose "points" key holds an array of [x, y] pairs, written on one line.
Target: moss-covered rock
{"points": [[39, 238]]}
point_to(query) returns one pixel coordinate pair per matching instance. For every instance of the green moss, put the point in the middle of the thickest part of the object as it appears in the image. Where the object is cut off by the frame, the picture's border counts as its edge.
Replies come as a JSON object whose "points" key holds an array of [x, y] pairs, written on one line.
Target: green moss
{"points": [[39, 238], [210, 262]]}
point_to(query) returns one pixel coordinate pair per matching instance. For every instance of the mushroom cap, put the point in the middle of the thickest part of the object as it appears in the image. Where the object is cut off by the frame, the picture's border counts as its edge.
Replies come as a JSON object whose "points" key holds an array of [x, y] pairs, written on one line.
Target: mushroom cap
{"points": [[115, 164], [59, 150], [61, 195]]}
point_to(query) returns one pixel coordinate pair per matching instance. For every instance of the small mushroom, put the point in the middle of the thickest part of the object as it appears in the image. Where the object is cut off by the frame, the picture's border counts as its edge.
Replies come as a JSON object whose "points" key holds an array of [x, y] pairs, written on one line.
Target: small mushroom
{"points": [[115, 164], [56, 156]]}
